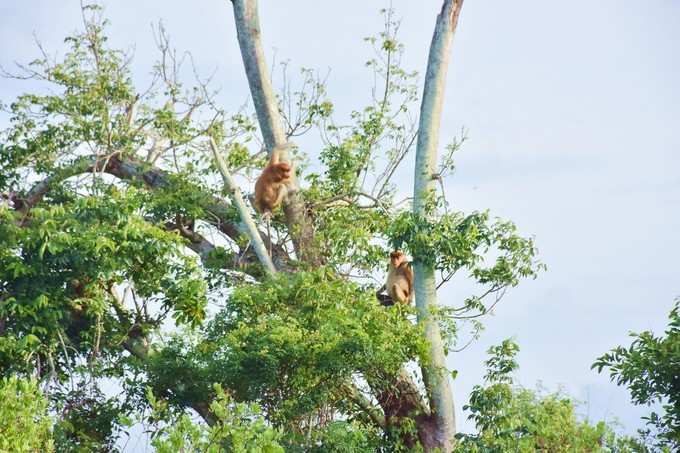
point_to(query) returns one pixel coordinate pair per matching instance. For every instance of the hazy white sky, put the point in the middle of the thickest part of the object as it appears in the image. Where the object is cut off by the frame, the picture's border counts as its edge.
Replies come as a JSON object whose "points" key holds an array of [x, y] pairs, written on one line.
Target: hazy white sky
{"points": [[573, 116]]}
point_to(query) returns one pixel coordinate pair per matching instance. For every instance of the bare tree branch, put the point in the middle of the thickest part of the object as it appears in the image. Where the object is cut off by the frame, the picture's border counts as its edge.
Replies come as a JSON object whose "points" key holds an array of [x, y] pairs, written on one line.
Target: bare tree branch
{"points": [[253, 233], [366, 406]]}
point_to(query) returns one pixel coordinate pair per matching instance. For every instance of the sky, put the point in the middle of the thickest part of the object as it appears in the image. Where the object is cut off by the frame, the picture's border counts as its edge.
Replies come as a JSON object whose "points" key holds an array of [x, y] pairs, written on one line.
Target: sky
{"points": [[573, 118]]}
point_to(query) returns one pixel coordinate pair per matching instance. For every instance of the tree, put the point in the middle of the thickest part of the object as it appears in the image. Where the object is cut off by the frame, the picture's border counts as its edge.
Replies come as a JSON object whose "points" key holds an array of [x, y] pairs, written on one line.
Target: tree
{"points": [[24, 422], [434, 375], [114, 228], [649, 367], [511, 418], [236, 428]]}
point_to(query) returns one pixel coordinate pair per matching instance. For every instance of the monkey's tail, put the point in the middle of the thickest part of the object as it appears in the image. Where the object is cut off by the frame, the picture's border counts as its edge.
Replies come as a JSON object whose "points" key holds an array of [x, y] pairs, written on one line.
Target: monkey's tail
{"points": [[268, 214]]}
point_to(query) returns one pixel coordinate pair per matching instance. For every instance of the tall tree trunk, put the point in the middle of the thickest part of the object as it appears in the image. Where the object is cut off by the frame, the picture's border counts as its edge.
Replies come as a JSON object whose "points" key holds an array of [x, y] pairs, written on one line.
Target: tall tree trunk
{"points": [[435, 376], [436, 429], [267, 109]]}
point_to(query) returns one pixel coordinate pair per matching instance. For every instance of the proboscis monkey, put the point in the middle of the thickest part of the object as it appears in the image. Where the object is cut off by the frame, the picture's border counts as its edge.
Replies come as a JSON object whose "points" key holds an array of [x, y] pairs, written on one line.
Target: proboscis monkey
{"points": [[400, 279], [270, 187]]}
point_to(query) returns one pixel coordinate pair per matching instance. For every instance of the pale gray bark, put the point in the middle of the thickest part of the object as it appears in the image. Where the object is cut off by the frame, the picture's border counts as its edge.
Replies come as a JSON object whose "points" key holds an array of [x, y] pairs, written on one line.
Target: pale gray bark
{"points": [[251, 229], [267, 109], [435, 375], [441, 420], [255, 62], [366, 405]]}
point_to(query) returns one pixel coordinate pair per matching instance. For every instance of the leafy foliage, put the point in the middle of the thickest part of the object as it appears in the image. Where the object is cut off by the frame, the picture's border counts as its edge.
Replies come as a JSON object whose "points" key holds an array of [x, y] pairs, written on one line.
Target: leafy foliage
{"points": [[88, 420], [511, 418], [60, 273], [456, 241], [293, 345], [25, 425], [121, 259], [237, 428], [649, 367]]}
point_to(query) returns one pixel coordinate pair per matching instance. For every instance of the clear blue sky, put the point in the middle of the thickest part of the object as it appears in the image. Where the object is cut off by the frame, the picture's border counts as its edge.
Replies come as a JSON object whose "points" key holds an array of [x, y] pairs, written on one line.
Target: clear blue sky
{"points": [[573, 112]]}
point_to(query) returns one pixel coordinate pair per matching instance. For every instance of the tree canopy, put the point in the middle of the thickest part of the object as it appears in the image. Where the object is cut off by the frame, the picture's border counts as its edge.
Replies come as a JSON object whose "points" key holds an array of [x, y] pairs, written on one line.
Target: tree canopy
{"points": [[125, 260], [650, 369]]}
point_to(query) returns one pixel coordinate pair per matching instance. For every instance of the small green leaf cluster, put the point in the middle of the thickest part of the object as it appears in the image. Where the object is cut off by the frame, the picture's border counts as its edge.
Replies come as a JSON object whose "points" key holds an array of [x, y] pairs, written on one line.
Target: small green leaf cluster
{"points": [[650, 369], [25, 425], [455, 241], [88, 420], [182, 195], [353, 238], [237, 427]]}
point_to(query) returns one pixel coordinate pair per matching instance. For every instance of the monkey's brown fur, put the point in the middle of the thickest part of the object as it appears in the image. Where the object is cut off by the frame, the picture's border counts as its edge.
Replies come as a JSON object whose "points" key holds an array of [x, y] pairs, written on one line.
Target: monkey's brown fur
{"points": [[270, 189], [400, 279]]}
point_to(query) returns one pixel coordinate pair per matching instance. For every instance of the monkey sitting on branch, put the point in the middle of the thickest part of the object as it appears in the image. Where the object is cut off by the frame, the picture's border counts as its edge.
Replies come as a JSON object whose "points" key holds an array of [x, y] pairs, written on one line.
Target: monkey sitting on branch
{"points": [[399, 281], [270, 187]]}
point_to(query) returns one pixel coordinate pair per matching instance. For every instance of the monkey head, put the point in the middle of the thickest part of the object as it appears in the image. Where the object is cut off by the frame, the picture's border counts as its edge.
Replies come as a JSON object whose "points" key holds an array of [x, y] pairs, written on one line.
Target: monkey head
{"points": [[396, 258], [283, 171]]}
